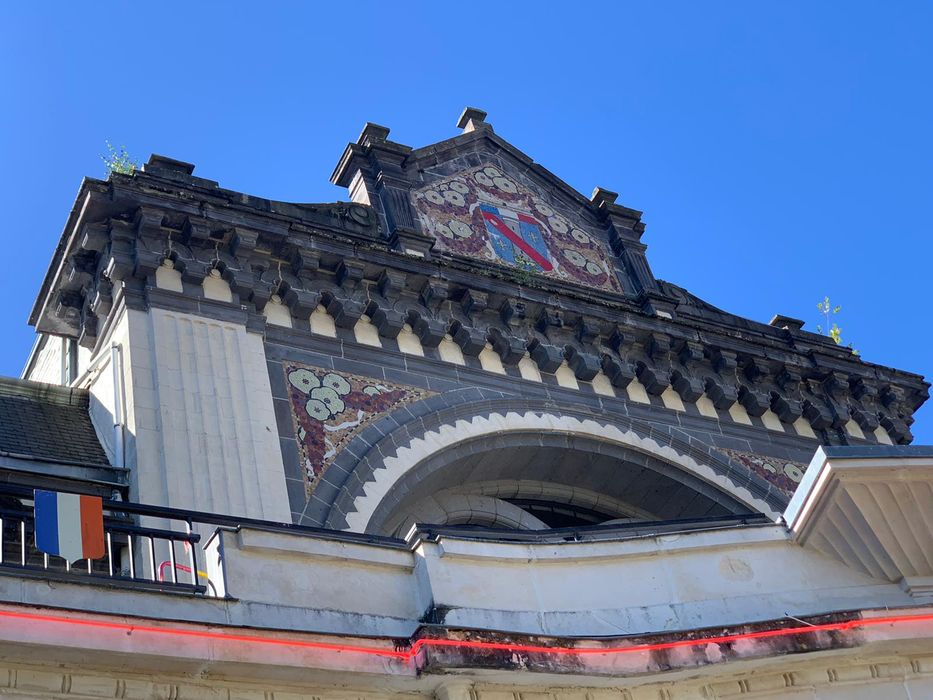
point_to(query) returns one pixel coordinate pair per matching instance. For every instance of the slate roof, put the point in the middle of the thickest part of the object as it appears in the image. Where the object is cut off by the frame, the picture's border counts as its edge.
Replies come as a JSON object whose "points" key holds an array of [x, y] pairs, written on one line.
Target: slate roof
{"points": [[47, 422]]}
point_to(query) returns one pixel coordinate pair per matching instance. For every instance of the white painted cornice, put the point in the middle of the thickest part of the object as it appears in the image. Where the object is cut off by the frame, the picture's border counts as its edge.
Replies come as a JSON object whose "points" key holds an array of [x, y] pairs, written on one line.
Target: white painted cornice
{"points": [[872, 509]]}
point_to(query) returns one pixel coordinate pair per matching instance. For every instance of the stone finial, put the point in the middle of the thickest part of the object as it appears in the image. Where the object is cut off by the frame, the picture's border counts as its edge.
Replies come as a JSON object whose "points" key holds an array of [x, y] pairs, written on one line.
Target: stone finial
{"points": [[786, 322], [373, 133], [602, 196], [471, 118]]}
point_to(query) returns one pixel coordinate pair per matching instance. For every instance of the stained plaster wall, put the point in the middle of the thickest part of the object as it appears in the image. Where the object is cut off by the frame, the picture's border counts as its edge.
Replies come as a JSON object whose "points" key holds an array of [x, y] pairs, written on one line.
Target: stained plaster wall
{"points": [[329, 585], [637, 586], [641, 586]]}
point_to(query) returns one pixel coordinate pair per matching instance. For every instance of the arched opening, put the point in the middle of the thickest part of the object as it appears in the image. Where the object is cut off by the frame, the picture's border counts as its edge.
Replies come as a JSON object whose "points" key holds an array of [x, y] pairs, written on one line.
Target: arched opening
{"points": [[533, 480]]}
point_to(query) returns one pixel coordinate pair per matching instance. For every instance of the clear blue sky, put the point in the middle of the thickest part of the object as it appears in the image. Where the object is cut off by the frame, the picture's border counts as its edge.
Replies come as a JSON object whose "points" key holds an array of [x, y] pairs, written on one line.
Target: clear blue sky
{"points": [[781, 151]]}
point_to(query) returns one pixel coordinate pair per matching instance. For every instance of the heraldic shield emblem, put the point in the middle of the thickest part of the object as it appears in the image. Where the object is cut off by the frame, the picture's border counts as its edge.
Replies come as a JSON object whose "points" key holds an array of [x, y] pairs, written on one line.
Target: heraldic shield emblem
{"points": [[484, 214], [516, 236]]}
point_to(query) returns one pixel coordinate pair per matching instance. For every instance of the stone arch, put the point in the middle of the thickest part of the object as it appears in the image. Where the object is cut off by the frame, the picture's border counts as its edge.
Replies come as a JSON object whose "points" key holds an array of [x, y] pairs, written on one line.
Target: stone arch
{"points": [[466, 421], [468, 509], [489, 503], [575, 495]]}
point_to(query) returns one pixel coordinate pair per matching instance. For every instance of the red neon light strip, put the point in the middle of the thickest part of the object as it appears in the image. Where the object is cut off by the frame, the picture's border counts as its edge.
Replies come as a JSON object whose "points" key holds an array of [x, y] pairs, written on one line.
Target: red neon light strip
{"points": [[467, 644], [518, 240], [203, 634]]}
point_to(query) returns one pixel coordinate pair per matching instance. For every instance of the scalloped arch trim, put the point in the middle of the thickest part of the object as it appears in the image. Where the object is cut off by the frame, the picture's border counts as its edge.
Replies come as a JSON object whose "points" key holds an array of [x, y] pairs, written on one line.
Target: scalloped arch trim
{"points": [[447, 436]]}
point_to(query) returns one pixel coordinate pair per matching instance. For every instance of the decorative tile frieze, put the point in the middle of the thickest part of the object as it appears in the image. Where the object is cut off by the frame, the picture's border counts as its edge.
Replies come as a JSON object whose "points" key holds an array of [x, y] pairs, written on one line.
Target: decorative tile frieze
{"points": [[783, 473], [330, 408]]}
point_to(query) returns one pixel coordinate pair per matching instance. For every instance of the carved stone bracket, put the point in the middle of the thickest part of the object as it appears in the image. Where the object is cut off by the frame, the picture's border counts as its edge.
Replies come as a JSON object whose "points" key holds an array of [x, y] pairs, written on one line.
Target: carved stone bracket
{"points": [[786, 403], [301, 303], [893, 415], [305, 262], [386, 318], [864, 407], [755, 398], [620, 372], [684, 380], [433, 293], [471, 340], [509, 347], [429, 330], [349, 273], [815, 409], [346, 311], [835, 386], [655, 377], [585, 365], [722, 385], [547, 357], [473, 301], [512, 312]]}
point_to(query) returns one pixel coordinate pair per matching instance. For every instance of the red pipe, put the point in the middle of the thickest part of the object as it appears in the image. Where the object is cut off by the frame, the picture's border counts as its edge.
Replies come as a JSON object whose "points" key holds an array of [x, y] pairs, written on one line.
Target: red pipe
{"points": [[186, 569]]}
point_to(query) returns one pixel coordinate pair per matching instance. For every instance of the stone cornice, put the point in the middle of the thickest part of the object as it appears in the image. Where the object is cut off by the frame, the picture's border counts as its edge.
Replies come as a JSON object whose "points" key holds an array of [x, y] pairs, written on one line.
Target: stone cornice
{"points": [[324, 254]]}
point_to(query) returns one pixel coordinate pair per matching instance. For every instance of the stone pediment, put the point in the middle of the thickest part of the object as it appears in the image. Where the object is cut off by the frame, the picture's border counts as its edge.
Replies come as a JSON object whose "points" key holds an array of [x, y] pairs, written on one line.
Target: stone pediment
{"points": [[484, 213], [477, 199]]}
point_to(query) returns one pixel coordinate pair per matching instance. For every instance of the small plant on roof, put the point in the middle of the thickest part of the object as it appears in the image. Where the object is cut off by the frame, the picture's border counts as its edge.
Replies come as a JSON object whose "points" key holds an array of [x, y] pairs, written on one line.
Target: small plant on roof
{"points": [[118, 161], [834, 331]]}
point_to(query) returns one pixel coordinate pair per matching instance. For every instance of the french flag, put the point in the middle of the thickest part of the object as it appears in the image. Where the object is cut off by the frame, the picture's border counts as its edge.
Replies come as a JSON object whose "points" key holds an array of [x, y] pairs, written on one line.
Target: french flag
{"points": [[69, 525]]}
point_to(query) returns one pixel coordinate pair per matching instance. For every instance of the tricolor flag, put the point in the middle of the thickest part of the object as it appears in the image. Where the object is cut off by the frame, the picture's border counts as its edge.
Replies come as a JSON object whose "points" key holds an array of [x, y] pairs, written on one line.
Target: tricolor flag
{"points": [[68, 525]]}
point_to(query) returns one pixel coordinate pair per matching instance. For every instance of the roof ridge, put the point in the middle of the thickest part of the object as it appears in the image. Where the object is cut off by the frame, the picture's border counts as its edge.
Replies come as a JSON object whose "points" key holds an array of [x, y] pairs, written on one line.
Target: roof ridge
{"points": [[43, 392]]}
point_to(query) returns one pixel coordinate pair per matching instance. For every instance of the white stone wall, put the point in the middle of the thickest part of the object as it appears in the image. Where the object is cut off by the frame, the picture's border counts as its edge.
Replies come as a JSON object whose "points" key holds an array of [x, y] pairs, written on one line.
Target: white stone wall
{"points": [[856, 683], [100, 381], [641, 585], [200, 412], [47, 361]]}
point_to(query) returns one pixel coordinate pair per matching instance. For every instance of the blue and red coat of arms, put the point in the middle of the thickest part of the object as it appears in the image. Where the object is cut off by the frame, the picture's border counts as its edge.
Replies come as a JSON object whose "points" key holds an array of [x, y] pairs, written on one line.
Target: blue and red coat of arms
{"points": [[516, 237], [484, 214]]}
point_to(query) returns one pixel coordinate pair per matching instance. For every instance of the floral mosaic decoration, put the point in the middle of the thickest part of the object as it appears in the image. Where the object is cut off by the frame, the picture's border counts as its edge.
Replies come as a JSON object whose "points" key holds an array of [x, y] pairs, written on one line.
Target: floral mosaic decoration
{"points": [[484, 214], [329, 408], [784, 474]]}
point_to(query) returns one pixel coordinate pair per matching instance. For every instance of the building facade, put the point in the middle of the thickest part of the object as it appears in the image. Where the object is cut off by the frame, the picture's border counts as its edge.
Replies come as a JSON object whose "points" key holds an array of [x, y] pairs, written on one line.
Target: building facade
{"points": [[449, 438]]}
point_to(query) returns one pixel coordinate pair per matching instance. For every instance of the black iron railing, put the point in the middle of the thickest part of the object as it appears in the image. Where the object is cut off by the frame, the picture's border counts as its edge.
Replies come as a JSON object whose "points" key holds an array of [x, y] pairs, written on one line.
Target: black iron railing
{"points": [[157, 548], [593, 533], [144, 546]]}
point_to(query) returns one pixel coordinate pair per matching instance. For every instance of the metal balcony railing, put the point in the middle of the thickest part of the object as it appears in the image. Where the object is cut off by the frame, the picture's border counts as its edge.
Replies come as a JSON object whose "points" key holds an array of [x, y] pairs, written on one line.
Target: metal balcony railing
{"points": [[144, 547], [159, 549]]}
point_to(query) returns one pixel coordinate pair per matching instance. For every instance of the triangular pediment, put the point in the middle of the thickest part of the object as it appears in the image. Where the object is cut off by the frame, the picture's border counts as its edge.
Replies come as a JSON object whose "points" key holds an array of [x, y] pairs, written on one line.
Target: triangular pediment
{"points": [[478, 199]]}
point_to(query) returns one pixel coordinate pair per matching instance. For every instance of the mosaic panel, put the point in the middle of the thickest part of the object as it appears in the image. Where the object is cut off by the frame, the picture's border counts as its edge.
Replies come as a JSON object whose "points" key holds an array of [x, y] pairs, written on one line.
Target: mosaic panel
{"points": [[783, 473], [329, 408], [484, 214]]}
